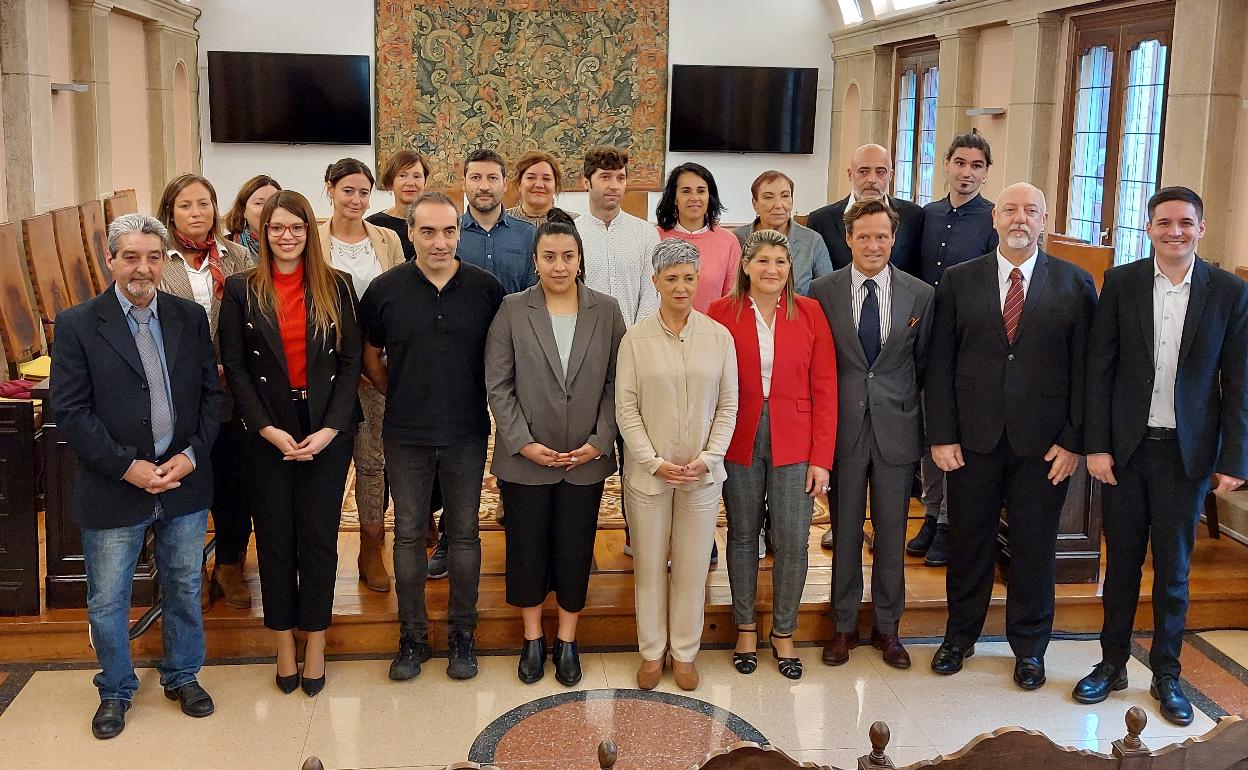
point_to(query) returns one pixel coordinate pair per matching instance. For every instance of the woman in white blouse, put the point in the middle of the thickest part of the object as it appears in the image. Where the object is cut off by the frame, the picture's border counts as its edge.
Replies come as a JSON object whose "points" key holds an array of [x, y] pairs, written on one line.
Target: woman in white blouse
{"points": [[363, 251], [676, 407]]}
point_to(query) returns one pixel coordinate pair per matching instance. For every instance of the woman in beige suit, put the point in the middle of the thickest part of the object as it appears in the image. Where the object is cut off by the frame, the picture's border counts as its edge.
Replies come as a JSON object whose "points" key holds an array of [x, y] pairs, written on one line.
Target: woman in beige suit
{"points": [[363, 251], [550, 378], [676, 406], [199, 261]]}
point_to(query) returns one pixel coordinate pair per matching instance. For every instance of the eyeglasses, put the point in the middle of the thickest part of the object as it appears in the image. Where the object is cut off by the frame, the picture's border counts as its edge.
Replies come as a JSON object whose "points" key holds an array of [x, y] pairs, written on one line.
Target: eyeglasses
{"points": [[298, 229]]}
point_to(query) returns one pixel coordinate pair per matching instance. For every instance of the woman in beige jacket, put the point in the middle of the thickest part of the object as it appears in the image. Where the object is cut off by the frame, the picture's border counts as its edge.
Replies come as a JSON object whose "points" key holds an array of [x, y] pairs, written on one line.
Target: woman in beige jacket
{"points": [[676, 407], [363, 251]]}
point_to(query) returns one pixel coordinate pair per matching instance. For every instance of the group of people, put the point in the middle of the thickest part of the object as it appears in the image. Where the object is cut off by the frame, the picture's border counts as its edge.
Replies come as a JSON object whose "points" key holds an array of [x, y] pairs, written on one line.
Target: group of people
{"points": [[764, 366]]}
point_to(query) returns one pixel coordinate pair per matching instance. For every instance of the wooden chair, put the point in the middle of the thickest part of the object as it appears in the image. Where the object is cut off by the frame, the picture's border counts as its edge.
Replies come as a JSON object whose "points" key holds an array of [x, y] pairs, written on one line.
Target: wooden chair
{"points": [[637, 203], [51, 291], [119, 203], [95, 237], [1242, 272], [1095, 259], [19, 321], [456, 194], [71, 249], [802, 219]]}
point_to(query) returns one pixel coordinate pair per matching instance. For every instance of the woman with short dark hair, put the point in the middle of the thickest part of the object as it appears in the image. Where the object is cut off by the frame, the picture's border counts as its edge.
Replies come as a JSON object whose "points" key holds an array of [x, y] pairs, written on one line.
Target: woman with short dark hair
{"points": [[689, 210], [405, 174]]}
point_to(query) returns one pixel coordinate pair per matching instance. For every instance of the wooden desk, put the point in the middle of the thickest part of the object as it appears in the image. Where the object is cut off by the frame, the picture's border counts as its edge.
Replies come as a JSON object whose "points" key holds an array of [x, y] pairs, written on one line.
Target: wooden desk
{"points": [[19, 510]]}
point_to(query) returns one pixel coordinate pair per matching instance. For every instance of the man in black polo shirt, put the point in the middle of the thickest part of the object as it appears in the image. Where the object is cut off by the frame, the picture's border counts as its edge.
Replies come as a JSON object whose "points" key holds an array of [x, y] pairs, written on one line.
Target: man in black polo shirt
{"points": [[425, 324], [956, 228]]}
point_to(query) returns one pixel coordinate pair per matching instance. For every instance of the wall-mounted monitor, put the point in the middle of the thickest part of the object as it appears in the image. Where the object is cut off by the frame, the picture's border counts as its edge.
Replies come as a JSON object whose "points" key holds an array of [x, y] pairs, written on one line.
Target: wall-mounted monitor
{"points": [[743, 109], [289, 98]]}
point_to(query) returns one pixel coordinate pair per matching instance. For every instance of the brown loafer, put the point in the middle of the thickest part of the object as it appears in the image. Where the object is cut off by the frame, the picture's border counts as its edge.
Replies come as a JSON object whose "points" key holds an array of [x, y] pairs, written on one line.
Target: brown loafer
{"points": [[650, 674], [685, 674], [890, 645], [837, 650], [828, 539]]}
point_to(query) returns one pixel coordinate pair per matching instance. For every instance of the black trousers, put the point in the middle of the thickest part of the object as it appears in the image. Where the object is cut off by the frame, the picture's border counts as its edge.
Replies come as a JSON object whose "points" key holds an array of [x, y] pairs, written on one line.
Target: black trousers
{"points": [[231, 514], [298, 506], [977, 492], [1154, 501], [550, 542]]}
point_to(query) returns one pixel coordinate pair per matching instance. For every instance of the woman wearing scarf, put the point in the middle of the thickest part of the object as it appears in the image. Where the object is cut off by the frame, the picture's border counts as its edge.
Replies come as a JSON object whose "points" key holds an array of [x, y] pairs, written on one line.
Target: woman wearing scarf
{"points": [[199, 262], [243, 218]]}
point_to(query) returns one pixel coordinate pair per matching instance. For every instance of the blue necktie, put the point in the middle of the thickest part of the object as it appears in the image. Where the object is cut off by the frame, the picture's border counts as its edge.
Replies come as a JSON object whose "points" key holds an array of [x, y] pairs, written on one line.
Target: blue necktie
{"points": [[869, 323]]}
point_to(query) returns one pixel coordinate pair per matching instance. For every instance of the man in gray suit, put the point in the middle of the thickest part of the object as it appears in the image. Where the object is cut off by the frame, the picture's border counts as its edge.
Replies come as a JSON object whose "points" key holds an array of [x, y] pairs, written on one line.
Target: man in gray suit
{"points": [[881, 318]]}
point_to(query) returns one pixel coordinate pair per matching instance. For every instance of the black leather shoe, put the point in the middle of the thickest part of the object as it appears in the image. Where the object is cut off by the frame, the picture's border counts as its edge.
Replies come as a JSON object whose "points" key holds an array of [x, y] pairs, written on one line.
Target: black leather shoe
{"points": [[532, 660], [313, 687], [463, 655], [567, 662], [412, 653], [288, 684], [919, 544], [110, 718], [1175, 706], [948, 659], [1029, 672], [1095, 687], [195, 701], [938, 551]]}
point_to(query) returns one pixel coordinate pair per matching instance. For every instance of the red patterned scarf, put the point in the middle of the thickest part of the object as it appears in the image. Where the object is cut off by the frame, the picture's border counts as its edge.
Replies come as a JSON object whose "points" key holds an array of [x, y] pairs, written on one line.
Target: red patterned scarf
{"points": [[194, 252]]}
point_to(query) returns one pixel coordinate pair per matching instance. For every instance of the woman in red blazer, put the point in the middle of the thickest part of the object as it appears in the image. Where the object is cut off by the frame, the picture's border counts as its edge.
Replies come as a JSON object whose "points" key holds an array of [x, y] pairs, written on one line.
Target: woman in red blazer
{"points": [[784, 442]]}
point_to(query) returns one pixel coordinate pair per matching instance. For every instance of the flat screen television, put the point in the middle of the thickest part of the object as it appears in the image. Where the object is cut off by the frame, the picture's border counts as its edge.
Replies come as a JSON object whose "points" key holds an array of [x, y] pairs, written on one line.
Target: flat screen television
{"points": [[289, 98], [743, 109]]}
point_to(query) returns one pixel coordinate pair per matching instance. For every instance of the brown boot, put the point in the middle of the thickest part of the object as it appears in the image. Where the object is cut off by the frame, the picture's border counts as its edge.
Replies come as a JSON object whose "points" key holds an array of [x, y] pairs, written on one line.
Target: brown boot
{"points": [[372, 567], [229, 577], [205, 590]]}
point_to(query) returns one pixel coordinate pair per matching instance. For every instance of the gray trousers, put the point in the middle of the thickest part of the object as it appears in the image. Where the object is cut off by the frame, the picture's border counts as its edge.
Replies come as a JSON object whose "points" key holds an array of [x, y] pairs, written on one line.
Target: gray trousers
{"points": [[784, 490], [934, 497], [890, 499]]}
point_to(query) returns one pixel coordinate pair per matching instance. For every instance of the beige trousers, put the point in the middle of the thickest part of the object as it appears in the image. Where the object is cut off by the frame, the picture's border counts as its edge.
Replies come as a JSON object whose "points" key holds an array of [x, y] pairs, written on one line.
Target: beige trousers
{"points": [[370, 461], [671, 605]]}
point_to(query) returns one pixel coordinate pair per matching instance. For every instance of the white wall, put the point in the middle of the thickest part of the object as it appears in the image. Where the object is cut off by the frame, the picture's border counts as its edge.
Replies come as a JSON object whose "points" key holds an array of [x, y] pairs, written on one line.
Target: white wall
{"points": [[744, 32]]}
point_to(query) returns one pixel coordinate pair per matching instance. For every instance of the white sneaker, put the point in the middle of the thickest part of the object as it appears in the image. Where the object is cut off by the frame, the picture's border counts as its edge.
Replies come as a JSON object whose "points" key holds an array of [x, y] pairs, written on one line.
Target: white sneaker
{"points": [[762, 544]]}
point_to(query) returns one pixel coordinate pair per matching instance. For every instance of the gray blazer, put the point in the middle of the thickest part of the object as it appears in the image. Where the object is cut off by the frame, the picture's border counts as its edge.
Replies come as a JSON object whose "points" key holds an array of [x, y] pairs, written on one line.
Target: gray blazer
{"points": [[532, 400], [806, 249], [891, 387]]}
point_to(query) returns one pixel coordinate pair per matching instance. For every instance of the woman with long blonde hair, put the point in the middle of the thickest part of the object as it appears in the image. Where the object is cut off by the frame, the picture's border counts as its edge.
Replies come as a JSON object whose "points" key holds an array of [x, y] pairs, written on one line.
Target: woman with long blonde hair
{"points": [[290, 344]]}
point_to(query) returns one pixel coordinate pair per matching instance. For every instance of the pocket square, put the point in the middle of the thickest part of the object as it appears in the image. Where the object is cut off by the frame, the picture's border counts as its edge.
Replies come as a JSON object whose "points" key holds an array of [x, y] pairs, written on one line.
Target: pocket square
{"points": [[914, 321]]}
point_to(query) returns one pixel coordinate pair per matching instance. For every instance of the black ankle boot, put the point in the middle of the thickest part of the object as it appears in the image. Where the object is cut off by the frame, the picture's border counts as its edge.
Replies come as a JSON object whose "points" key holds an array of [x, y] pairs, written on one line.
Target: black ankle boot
{"points": [[532, 660], [567, 662]]}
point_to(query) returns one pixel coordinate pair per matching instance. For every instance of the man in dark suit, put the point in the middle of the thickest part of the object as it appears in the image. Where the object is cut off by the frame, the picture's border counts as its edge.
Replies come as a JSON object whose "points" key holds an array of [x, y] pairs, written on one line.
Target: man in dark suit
{"points": [[881, 319], [870, 175], [1168, 386], [1005, 404], [135, 389]]}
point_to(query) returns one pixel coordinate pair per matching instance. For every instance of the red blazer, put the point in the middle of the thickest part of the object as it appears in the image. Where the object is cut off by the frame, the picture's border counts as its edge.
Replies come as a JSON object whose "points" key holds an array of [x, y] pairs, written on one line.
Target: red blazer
{"points": [[803, 384]]}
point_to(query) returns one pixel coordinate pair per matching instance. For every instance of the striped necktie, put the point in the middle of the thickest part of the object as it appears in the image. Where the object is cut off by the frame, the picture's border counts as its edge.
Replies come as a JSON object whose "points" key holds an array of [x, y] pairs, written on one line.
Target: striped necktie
{"points": [[1013, 309]]}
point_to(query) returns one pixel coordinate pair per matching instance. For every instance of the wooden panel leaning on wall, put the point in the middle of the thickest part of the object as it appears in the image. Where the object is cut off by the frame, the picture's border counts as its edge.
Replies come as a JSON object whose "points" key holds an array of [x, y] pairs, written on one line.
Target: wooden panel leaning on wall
{"points": [[19, 321], [51, 292], [95, 238], [71, 250]]}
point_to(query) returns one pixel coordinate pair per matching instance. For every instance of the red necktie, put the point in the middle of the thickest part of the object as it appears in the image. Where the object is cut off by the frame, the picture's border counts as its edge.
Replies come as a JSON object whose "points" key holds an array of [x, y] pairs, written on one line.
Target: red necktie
{"points": [[1013, 309]]}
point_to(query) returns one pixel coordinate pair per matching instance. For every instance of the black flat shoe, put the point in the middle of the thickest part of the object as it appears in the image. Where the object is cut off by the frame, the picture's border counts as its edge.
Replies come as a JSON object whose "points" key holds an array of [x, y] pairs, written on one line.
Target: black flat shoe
{"points": [[532, 660], [746, 662], [791, 668], [195, 701], [948, 659], [1095, 687], [110, 718], [1029, 672], [567, 662], [1175, 706], [312, 687], [288, 684]]}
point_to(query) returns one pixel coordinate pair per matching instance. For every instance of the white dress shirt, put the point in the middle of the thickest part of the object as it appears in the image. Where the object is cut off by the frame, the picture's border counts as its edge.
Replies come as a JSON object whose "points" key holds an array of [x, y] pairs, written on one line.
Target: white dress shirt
{"points": [[682, 229], [1005, 267], [1169, 312], [766, 344], [883, 295], [200, 279], [617, 262]]}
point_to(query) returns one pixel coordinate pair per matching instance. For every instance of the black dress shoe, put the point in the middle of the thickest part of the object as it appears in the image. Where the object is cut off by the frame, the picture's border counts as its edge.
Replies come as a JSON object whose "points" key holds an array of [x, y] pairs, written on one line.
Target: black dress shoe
{"points": [[412, 653], [567, 662], [1175, 706], [288, 684], [110, 718], [532, 660], [313, 687], [919, 544], [194, 700], [1105, 677], [1029, 672], [938, 552], [948, 659]]}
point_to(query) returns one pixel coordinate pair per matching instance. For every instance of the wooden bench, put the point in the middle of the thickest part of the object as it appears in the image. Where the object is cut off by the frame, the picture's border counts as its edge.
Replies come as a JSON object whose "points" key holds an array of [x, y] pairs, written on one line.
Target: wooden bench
{"points": [[1095, 259]]}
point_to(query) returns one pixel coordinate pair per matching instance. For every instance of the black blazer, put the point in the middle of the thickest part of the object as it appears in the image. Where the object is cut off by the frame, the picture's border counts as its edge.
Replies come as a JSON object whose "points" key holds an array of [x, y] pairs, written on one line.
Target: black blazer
{"points": [[829, 222], [99, 396], [1211, 388], [978, 387], [255, 363]]}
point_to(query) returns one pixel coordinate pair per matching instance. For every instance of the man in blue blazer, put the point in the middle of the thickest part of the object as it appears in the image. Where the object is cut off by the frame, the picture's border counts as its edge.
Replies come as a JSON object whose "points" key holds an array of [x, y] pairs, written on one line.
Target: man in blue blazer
{"points": [[1167, 395], [135, 389]]}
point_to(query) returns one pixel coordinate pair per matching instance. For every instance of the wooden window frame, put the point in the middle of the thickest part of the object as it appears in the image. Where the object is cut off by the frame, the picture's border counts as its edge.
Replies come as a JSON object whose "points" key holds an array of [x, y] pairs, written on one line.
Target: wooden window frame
{"points": [[920, 56]]}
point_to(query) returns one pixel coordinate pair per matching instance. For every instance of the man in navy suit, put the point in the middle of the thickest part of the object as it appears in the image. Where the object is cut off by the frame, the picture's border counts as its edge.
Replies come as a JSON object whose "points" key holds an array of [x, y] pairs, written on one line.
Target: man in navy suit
{"points": [[135, 389], [1167, 395]]}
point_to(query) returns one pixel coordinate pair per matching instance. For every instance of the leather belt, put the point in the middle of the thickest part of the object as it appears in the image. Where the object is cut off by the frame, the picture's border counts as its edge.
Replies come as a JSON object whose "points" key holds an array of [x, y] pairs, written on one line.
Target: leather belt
{"points": [[1161, 434], [299, 394]]}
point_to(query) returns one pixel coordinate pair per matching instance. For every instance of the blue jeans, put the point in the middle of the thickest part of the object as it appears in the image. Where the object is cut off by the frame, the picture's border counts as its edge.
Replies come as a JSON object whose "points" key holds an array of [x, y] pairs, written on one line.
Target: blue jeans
{"points": [[111, 555]]}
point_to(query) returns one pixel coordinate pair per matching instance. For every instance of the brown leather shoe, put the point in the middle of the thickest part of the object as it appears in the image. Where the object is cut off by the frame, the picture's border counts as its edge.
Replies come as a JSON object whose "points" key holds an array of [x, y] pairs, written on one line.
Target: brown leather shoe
{"points": [[650, 674], [685, 674], [371, 564], [205, 590], [828, 539], [836, 652], [228, 579], [890, 645]]}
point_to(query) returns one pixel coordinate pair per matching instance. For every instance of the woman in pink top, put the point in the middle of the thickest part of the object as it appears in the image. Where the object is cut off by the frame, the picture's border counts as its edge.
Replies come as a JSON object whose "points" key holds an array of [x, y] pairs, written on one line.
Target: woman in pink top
{"points": [[689, 210]]}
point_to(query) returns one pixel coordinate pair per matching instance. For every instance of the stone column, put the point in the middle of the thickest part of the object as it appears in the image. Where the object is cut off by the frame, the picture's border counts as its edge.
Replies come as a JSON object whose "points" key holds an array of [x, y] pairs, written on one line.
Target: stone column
{"points": [[1033, 98], [872, 70], [959, 53], [26, 106], [93, 128]]}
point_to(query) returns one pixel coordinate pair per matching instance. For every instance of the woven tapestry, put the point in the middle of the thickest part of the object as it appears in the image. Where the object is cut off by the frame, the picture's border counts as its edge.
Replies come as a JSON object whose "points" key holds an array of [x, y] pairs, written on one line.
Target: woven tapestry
{"points": [[519, 75]]}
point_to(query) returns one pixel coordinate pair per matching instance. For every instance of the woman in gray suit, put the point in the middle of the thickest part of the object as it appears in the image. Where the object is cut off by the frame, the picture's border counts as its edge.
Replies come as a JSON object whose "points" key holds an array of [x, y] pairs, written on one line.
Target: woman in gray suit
{"points": [[550, 375]]}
